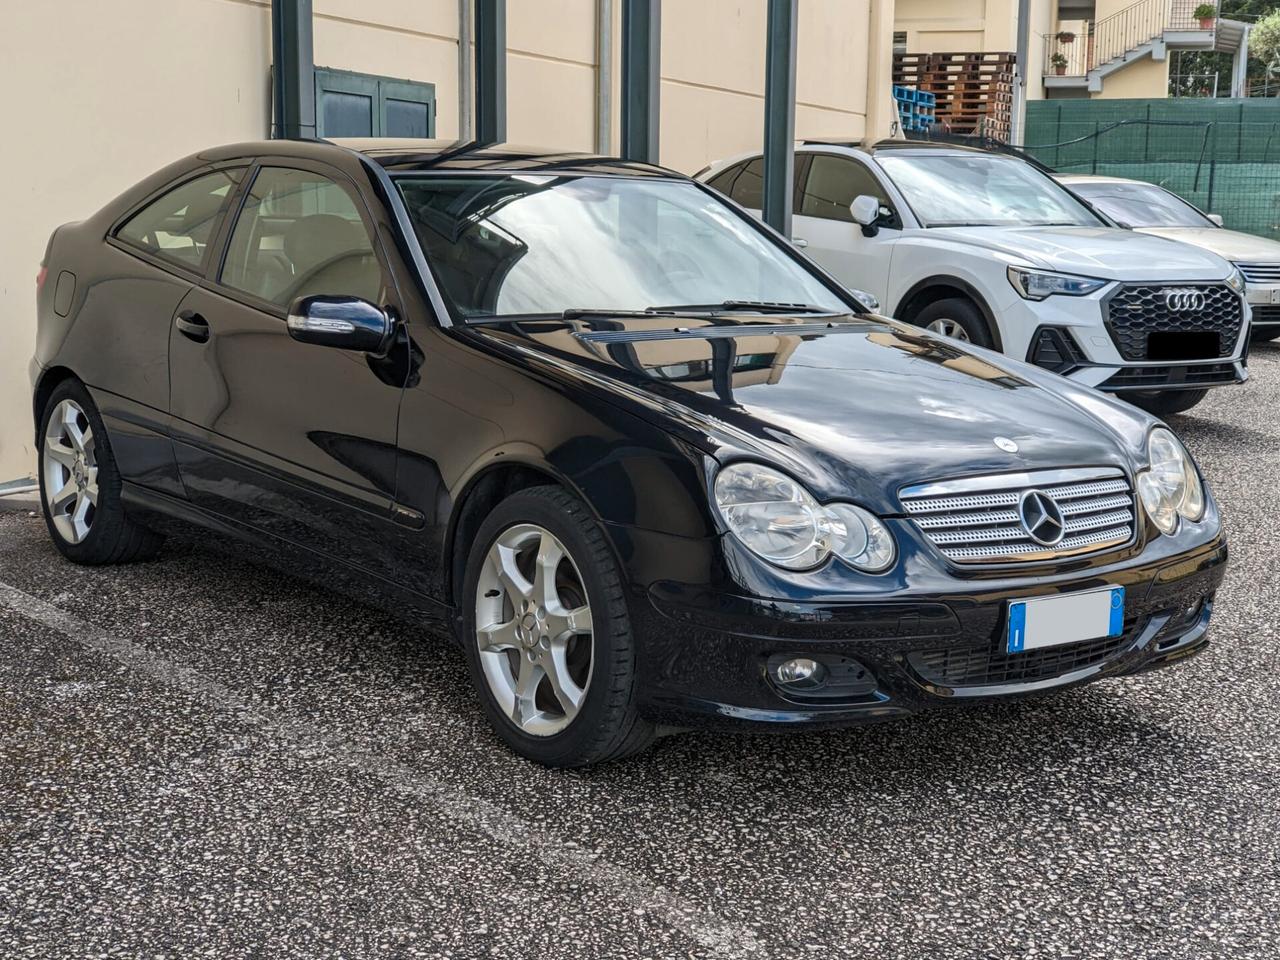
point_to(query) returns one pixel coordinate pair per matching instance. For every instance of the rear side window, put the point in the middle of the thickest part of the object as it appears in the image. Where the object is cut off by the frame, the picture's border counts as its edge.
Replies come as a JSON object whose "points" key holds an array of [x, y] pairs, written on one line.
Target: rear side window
{"points": [[748, 189], [723, 181], [833, 184], [180, 225], [299, 234]]}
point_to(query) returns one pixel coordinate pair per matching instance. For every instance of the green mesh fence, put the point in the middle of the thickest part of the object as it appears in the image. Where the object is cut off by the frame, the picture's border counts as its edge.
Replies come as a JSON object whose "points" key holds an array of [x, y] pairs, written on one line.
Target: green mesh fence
{"points": [[1222, 155]]}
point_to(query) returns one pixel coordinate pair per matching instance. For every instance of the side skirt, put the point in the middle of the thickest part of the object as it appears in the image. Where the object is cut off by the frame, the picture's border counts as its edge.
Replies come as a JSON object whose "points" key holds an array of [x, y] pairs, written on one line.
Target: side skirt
{"points": [[176, 517]]}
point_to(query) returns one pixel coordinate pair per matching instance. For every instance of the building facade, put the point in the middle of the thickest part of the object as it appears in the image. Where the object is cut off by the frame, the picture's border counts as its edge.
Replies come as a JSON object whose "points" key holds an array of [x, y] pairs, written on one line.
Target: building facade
{"points": [[121, 87]]}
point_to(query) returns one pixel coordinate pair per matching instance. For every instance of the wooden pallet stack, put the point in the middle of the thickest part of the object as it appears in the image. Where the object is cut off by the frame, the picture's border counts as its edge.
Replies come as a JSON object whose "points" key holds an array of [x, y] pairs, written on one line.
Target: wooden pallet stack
{"points": [[974, 91]]}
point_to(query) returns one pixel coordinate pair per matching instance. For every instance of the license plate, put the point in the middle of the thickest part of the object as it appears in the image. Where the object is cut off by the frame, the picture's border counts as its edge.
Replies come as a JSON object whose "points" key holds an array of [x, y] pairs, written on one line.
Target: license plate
{"points": [[1065, 618]]}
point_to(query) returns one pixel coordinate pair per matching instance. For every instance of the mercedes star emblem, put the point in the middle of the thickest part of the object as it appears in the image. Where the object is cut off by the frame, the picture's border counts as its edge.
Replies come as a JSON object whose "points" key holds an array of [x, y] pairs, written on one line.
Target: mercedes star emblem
{"points": [[1042, 518]]}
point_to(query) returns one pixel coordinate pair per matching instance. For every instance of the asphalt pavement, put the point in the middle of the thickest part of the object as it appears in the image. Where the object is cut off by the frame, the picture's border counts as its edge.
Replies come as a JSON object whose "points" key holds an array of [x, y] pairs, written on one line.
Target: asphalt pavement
{"points": [[203, 758]]}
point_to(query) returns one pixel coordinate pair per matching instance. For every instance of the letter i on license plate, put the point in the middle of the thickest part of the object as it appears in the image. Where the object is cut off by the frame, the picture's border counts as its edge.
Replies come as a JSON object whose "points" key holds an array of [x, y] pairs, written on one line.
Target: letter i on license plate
{"points": [[1065, 618]]}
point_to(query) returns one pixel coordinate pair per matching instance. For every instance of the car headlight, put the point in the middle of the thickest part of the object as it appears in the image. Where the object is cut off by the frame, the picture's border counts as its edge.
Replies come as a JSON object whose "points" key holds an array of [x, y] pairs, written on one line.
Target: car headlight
{"points": [[1170, 487], [1236, 281], [1038, 284], [779, 520]]}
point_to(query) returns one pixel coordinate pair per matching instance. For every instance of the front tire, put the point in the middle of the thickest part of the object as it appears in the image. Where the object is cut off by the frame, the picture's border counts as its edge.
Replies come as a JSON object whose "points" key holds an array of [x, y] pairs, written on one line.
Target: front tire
{"points": [[957, 318], [1167, 402], [80, 485], [547, 633], [1264, 335]]}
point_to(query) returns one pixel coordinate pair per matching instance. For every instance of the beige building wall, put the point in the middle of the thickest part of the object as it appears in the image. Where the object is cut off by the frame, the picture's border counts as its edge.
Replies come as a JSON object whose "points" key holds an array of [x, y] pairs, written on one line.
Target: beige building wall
{"points": [[128, 85], [958, 26], [1140, 80]]}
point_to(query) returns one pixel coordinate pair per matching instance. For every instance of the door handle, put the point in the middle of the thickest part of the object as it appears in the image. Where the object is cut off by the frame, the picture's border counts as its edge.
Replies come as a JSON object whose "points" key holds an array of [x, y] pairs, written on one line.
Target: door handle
{"points": [[192, 326], [800, 242]]}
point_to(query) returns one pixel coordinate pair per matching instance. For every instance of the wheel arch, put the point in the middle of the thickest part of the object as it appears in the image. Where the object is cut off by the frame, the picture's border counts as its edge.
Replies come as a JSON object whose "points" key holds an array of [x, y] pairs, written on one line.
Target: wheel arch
{"points": [[932, 289], [44, 388], [481, 492]]}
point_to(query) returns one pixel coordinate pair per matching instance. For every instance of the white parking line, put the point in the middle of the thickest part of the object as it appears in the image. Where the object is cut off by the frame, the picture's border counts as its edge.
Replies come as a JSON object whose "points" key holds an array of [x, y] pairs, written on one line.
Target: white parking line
{"points": [[712, 932]]}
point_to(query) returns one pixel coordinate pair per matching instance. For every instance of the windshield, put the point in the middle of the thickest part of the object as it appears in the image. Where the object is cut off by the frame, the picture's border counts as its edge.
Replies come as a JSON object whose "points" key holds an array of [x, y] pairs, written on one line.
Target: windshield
{"points": [[514, 245], [1140, 204], [979, 190]]}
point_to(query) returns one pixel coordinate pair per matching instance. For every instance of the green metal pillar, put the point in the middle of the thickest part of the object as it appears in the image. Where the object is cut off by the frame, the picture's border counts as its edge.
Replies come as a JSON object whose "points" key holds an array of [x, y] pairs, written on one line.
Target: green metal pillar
{"points": [[293, 61], [491, 71], [641, 74], [780, 115]]}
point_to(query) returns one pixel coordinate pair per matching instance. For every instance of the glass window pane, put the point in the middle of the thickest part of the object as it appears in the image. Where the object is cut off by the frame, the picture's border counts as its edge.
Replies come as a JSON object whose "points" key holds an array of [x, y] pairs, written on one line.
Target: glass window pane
{"points": [[723, 181], [748, 189], [346, 114], [182, 223], [833, 184], [299, 234], [980, 190], [507, 245], [407, 119]]}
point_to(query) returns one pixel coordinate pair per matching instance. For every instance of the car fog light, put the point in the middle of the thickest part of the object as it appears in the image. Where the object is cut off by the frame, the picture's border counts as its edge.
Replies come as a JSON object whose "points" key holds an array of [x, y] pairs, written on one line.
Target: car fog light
{"points": [[800, 670]]}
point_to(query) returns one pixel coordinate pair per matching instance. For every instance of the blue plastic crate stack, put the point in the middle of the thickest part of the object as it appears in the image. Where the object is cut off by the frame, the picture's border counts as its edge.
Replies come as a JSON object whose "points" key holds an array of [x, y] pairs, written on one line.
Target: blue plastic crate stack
{"points": [[915, 109]]}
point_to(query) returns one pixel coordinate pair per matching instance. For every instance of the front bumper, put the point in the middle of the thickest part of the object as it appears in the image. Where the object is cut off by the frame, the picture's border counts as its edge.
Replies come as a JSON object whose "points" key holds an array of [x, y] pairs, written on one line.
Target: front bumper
{"points": [[704, 656], [1071, 336]]}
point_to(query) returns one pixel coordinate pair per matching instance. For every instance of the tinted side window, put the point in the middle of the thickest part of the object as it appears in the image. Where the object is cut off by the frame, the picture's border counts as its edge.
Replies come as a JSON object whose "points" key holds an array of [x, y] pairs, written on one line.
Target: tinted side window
{"points": [[299, 234], [180, 225], [723, 181], [748, 189], [833, 184]]}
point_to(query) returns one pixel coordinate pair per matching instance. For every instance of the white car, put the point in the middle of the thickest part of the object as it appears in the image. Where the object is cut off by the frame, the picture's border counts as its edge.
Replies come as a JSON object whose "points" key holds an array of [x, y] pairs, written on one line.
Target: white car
{"points": [[1153, 209], [986, 247]]}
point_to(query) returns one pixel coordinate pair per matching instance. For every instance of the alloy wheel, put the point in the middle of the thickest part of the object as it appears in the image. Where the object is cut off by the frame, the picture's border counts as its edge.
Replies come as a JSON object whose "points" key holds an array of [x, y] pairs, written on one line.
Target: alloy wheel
{"points": [[70, 466], [949, 328], [533, 630]]}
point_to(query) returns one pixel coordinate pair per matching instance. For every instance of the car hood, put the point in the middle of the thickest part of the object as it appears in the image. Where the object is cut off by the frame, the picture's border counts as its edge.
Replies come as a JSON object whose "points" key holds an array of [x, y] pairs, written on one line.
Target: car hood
{"points": [[854, 406], [1231, 244], [1106, 252]]}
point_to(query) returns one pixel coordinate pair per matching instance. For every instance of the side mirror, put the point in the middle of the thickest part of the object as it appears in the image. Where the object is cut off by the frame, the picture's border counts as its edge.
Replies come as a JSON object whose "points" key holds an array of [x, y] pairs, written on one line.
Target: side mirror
{"points": [[348, 323], [865, 210], [1216, 219]]}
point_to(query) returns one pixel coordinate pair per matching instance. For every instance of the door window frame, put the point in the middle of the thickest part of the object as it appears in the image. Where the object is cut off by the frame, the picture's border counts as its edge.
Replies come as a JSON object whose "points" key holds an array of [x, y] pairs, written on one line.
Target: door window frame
{"points": [[894, 223], [190, 272], [212, 277]]}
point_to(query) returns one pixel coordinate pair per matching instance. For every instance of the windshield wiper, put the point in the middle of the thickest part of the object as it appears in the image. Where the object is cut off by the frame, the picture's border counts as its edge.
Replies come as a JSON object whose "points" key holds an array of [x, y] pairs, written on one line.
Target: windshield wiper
{"points": [[576, 313], [762, 306]]}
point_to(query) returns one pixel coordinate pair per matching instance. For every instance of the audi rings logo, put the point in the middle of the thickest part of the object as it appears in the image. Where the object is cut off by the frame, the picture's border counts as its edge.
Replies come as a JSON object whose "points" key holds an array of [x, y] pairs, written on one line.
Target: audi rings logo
{"points": [[1042, 518], [1184, 300]]}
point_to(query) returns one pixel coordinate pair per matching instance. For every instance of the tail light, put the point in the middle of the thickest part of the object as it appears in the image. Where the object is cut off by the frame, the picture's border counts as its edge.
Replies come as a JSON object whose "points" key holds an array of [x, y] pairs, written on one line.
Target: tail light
{"points": [[40, 277]]}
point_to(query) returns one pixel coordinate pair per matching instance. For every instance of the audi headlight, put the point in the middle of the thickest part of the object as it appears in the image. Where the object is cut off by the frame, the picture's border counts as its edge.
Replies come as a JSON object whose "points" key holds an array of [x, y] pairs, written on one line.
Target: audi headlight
{"points": [[779, 521], [1170, 487], [1039, 284], [1236, 282]]}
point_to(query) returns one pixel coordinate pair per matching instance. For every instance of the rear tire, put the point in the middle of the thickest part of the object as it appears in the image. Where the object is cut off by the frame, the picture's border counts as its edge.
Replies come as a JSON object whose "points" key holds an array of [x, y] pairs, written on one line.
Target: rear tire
{"points": [[1168, 401], [555, 671], [1264, 335], [80, 485], [957, 318]]}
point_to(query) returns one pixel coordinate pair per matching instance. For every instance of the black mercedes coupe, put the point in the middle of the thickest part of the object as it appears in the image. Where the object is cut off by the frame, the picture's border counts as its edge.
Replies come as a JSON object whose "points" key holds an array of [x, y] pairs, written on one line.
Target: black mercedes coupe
{"points": [[652, 467]]}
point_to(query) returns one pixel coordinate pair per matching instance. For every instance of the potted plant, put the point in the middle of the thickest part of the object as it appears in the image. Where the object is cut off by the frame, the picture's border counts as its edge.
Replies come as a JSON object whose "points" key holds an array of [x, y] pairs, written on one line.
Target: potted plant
{"points": [[1065, 37], [1059, 64], [1206, 13]]}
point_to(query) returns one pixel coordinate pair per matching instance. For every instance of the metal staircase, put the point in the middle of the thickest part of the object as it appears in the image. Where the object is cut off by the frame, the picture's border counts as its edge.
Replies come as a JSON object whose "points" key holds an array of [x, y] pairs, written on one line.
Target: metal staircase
{"points": [[1148, 28]]}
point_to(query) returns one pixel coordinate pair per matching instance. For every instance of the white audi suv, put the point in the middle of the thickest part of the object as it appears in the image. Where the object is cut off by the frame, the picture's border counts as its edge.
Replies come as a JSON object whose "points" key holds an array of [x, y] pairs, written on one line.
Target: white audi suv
{"points": [[989, 248]]}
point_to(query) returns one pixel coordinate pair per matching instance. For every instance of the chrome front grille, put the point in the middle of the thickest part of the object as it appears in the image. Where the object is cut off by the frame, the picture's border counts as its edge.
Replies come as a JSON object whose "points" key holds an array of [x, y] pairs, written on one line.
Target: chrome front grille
{"points": [[977, 520], [1261, 273]]}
